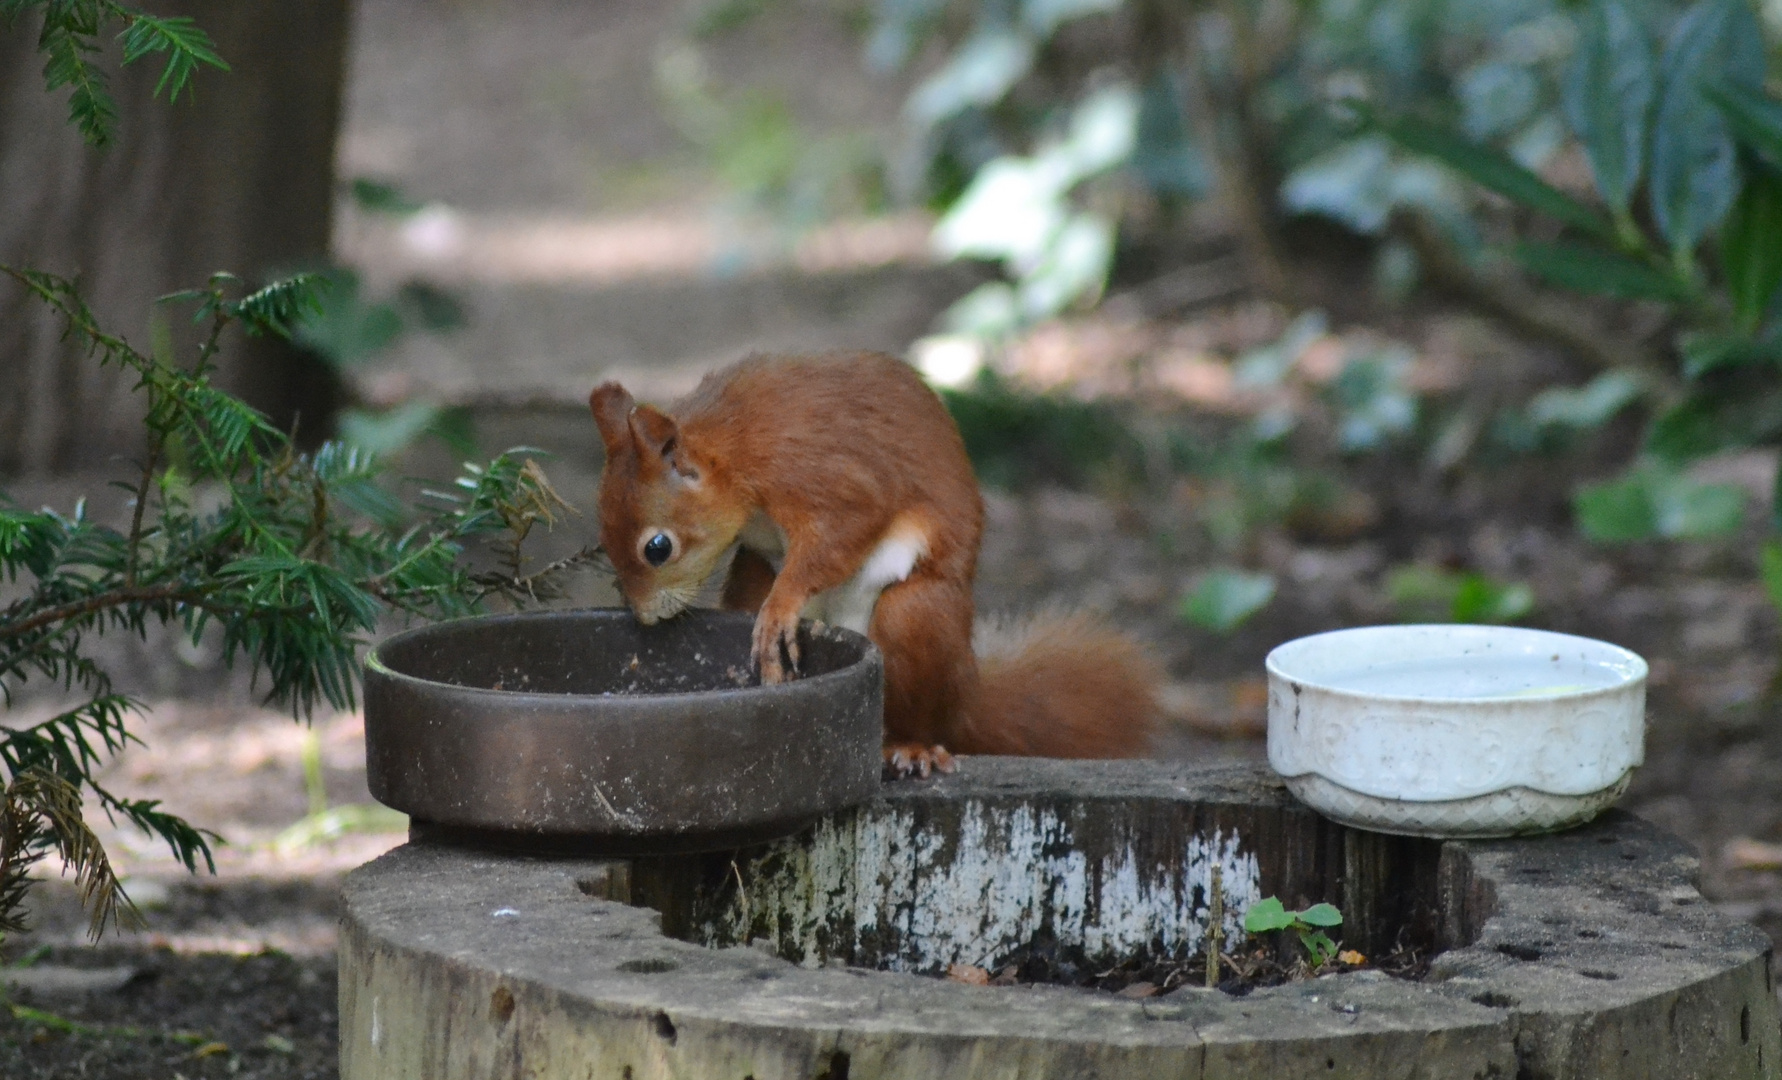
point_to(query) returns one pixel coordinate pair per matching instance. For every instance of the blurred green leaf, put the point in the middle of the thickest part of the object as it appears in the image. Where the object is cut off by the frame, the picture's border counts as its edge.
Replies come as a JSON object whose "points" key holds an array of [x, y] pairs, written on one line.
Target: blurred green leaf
{"points": [[1267, 365], [348, 329], [1225, 598], [1607, 94], [724, 16], [1655, 503], [1321, 915], [1432, 594], [381, 197], [1751, 246], [1481, 600], [1770, 569], [1074, 266], [1693, 176], [1017, 437], [1706, 352], [1103, 132], [1166, 156], [1495, 171], [1495, 97], [336, 822], [1730, 407], [988, 311], [1590, 269], [384, 433], [1011, 211], [1044, 16], [1372, 402], [1583, 408], [1319, 948], [897, 27], [979, 72], [1265, 915], [1361, 182], [433, 307], [1754, 117]]}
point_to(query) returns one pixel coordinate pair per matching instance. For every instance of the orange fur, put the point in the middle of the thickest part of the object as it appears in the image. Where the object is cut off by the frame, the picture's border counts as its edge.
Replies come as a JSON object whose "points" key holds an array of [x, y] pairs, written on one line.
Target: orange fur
{"points": [[852, 462]]}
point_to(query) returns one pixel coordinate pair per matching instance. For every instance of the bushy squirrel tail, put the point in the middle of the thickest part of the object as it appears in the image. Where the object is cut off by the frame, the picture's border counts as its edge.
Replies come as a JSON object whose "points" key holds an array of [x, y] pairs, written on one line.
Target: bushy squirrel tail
{"points": [[1063, 685]]}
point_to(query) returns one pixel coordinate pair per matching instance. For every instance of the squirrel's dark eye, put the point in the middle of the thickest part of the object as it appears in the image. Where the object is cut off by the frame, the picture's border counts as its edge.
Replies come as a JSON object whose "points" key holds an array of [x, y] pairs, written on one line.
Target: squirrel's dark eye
{"points": [[658, 549]]}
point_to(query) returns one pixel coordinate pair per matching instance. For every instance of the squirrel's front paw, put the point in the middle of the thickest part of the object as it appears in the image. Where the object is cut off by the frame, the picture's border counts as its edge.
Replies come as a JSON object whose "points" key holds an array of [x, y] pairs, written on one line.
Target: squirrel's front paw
{"points": [[776, 648], [916, 759]]}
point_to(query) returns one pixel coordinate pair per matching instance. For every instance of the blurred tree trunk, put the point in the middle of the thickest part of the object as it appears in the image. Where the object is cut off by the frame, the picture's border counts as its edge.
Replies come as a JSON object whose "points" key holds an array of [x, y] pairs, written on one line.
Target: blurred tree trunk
{"points": [[239, 179]]}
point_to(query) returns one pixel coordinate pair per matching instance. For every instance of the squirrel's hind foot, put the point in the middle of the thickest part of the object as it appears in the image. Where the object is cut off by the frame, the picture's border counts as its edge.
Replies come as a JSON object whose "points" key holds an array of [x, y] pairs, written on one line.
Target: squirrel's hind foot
{"points": [[904, 760]]}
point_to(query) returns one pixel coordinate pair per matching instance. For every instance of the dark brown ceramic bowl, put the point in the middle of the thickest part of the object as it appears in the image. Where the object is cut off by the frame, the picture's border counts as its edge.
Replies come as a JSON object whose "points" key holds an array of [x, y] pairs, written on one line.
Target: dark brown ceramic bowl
{"points": [[585, 731]]}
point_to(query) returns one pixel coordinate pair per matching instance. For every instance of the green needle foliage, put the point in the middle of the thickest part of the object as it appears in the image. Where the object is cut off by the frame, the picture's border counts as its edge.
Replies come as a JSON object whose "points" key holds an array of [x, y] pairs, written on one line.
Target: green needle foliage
{"points": [[291, 559], [70, 44]]}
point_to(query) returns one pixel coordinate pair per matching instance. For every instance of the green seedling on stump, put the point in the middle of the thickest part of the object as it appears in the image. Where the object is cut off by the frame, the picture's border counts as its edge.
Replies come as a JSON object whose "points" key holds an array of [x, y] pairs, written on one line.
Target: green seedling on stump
{"points": [[1269, 914]]}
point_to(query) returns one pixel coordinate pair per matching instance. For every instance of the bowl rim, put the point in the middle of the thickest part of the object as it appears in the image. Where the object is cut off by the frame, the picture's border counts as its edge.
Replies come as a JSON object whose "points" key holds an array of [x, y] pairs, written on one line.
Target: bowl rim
{"points": [[375, 663], [1634, 677]]}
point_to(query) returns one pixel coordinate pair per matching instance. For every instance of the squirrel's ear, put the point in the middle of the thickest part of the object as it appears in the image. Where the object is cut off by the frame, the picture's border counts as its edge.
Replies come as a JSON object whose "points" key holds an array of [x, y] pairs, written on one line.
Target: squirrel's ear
{"points": [[611, 405], [655, 432]]}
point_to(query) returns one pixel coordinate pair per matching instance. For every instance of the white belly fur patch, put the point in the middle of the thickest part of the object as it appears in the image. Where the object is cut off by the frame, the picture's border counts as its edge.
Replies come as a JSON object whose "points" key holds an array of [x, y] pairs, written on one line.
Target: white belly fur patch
{"points": [[851, 603]]}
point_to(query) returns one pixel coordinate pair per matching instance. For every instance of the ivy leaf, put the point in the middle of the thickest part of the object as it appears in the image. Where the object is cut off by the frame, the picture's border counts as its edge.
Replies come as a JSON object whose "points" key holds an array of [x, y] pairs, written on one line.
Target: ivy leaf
{"points": [[1607, 96], [1589, 269], [1694, 176], [1495, 171], [1751, 246]]}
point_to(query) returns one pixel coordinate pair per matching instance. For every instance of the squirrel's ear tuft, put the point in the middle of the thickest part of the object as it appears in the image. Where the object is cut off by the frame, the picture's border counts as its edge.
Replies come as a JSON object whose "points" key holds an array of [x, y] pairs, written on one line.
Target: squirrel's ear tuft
{"points": [[655, 432], [612, 405]]}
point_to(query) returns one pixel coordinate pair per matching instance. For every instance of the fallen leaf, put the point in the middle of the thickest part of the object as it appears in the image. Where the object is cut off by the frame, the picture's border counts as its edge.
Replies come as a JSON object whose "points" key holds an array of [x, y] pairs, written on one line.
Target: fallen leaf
{"points": [[1137, 990], [278, 1044], [211, 1049], [1351, 957], [969, 974]]}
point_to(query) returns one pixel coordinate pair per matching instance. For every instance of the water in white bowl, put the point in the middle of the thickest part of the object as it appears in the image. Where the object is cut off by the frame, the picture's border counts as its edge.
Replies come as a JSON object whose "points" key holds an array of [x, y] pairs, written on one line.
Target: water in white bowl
{"points": [[1455, 662], [1477, 677]]}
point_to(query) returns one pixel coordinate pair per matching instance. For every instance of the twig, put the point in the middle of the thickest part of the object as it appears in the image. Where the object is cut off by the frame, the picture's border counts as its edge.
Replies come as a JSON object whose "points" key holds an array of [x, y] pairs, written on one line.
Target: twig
{"points": [[142, 489], [97, 602], [1215, 927]]}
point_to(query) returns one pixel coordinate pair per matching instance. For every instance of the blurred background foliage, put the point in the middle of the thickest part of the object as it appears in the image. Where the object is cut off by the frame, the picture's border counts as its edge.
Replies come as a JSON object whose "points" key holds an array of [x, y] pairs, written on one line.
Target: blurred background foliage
{"points": [[1512, 152]]}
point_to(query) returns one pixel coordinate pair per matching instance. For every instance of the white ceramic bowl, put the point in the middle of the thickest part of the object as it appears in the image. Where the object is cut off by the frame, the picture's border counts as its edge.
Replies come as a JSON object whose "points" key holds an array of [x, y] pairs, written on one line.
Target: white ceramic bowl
{"points": [[1456, 731]]}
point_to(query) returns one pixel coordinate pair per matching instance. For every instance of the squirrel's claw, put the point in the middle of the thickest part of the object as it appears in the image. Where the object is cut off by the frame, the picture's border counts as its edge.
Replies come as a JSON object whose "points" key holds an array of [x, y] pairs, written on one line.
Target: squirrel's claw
{"points": [[903, 760], [776, 649]]}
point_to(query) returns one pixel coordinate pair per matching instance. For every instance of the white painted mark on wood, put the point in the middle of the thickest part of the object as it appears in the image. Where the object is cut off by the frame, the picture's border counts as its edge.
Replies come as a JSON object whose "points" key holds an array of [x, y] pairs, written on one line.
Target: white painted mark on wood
{"points": [[918, 898]]}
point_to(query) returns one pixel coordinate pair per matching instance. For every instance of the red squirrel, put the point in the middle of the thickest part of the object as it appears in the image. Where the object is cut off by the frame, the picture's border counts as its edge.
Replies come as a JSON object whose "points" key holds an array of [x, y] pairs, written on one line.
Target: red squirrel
{"points": [[839, 488]]}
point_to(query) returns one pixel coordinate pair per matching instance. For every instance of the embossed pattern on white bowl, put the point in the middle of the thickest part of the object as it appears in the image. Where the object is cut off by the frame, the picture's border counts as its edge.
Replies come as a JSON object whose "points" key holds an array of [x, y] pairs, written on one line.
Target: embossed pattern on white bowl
{"points": [[1454, 730]]}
